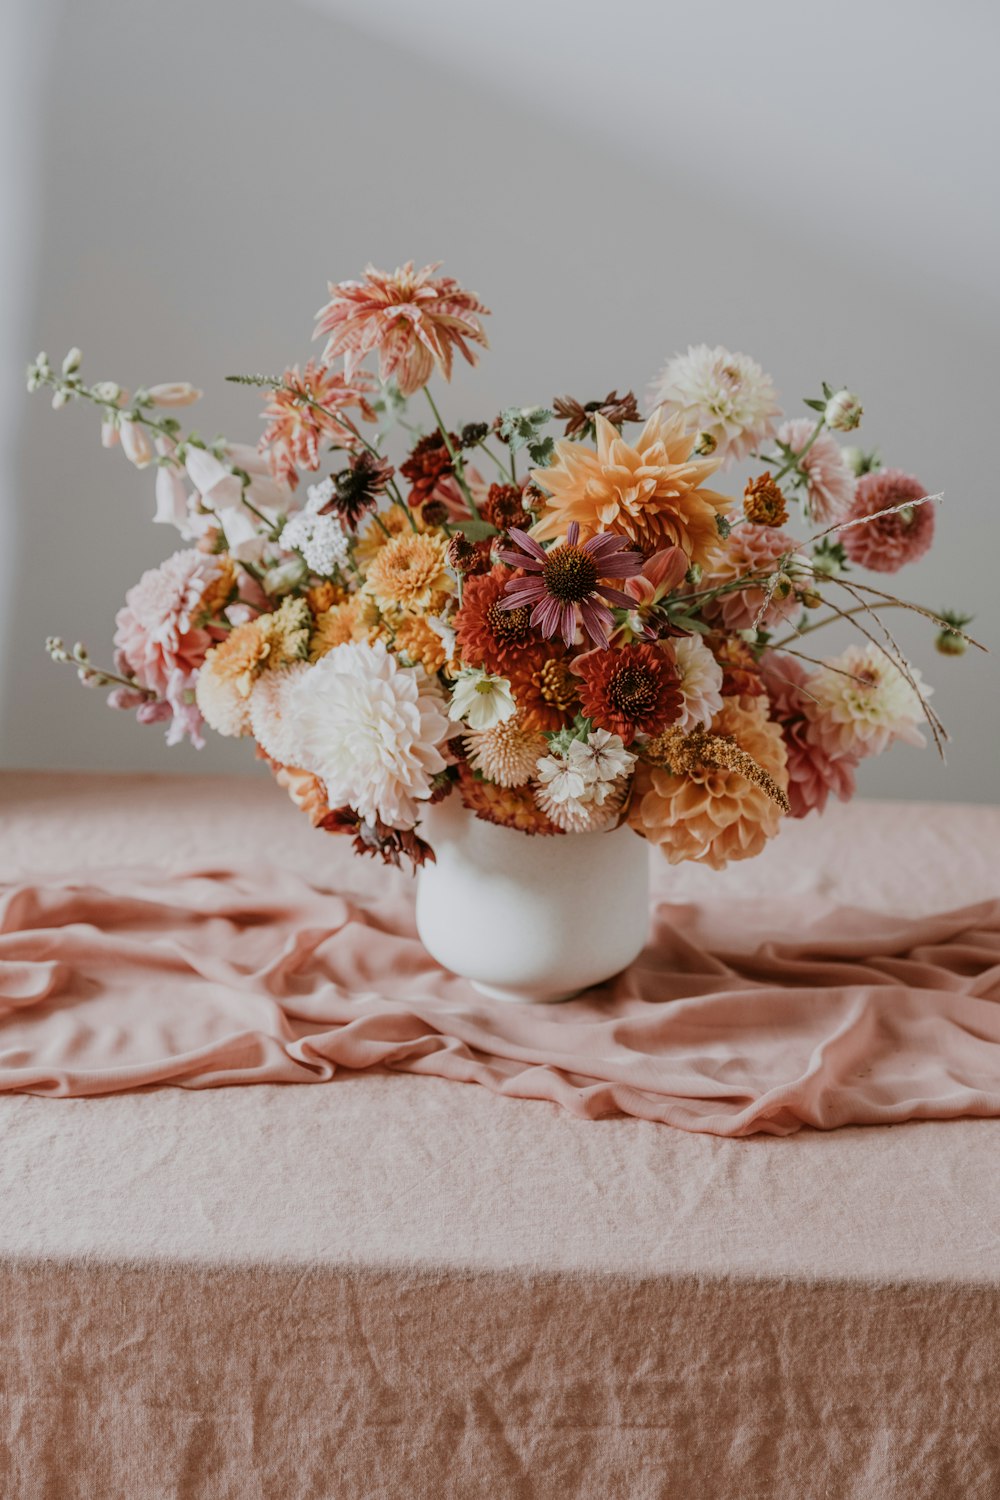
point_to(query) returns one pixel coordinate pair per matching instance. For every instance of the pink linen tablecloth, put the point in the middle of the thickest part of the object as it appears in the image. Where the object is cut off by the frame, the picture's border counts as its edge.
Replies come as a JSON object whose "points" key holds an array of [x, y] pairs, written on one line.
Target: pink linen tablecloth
{"points": [[394, 1286]]}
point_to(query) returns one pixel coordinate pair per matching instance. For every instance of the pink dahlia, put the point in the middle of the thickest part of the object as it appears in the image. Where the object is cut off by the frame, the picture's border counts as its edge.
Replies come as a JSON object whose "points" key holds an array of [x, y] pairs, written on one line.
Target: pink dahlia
{"points": [[564, 583], [160, 641], [414, 319], [307, 412], [886, 543], [813, 771], [829, 479], [750, 550]]}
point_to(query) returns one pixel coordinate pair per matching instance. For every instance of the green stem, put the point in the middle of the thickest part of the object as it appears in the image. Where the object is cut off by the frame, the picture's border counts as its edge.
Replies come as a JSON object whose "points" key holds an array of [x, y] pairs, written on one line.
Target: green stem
{"points": [[795, 461], [832, 619], [455, 458]]}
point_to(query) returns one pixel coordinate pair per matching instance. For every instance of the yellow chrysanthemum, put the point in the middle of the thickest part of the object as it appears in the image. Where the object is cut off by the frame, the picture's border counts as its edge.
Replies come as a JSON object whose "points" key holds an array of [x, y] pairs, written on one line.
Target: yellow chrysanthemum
{"points": [[420, 642], [649, 491], [357, 619], [389, 524], [410, 572], [230, 669]]}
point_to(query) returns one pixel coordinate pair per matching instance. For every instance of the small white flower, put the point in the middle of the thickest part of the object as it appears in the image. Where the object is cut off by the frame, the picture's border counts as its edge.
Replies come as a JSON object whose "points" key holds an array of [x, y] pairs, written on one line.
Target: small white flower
{"points": [[108, 390], [319, 495], [843, 411], [562, 782], [72, 362], [60, 398], [602, 757], [321, 540], [481, 699]]}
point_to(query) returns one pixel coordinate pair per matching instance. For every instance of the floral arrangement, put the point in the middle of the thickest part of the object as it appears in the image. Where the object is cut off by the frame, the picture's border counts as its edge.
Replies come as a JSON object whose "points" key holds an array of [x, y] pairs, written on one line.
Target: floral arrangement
{"points": [[565, 630]]}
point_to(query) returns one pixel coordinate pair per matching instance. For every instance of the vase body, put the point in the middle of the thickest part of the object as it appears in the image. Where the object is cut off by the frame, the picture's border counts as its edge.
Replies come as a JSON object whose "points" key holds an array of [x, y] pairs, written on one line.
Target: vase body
{"points": [[530, 918]]}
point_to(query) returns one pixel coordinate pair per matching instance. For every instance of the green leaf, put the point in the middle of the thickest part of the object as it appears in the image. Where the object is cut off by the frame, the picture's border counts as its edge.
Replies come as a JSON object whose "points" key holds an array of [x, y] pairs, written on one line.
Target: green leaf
{"points": [[814, 405]]}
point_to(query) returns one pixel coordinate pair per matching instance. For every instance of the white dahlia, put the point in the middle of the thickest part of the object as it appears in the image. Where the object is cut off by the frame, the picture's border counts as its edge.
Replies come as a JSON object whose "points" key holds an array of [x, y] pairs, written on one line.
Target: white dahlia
{"points": [[371, 730], [700, 682], [862, 713], [726, 396], [271, 721]]}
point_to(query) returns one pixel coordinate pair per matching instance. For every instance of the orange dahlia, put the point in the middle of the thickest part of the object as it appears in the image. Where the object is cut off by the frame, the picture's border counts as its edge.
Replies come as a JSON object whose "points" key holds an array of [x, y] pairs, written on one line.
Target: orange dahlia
{"points": [[508, 806], [414, 319], [487, 634], [634, 690], [712, 813], [650, 491], [304, 413]]}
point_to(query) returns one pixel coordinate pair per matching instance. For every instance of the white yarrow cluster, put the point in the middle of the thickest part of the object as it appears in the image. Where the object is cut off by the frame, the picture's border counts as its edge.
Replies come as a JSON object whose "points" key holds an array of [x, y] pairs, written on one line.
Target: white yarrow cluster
{"points": [[371, 730], [581, 789], [320, 540], [726, 396]]}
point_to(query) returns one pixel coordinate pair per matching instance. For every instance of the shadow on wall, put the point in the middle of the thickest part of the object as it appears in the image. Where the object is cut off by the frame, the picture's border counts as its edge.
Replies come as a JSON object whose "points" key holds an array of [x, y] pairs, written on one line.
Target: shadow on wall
{"points": [[205, 172]]}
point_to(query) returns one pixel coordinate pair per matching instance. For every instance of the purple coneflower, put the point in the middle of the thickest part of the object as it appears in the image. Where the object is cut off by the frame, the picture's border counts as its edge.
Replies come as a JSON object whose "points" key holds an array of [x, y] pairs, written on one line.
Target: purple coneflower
{"points": [[565, 582]]}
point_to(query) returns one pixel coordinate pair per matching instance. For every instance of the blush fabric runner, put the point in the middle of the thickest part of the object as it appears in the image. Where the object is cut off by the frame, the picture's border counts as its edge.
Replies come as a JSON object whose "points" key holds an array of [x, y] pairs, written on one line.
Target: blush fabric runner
{"points": [[215, 977]]}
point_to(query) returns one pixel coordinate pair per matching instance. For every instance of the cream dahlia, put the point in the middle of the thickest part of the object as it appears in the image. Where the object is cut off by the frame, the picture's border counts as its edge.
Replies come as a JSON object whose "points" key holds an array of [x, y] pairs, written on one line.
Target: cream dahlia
{"points": [[860, 703], [700, 684], [412, 318], [271, 722], [649, 491], [829, 478], [728, 396], [372, 731]]}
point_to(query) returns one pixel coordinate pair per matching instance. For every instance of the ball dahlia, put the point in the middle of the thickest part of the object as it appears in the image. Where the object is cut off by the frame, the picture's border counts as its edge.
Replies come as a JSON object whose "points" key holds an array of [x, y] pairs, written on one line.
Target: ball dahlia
{"points": [[748, 550], [713, 814], [372, 731], [885, 544]]}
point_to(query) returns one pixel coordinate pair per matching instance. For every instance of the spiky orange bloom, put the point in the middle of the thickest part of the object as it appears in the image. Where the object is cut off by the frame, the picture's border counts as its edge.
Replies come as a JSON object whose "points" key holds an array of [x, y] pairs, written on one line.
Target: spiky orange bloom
{"points": [[650, 491], [304, 414], [634, 690], [487, 634], [508, 806], [544, 687], [414, 320], [709, 813]]}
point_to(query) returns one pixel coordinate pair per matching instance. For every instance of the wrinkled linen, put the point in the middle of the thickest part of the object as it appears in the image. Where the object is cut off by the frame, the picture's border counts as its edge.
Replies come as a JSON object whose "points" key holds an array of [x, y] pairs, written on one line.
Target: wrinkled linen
{"points": [[225, 977], [393, 1287]]}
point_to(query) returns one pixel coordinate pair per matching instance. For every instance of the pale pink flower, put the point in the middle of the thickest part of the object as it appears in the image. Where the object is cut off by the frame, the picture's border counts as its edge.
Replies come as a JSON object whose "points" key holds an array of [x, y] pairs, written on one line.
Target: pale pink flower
{"points": [[829, 479], [885, 544], [159, 640], [221, 492], [412, 318], [750, 550], [135, 443], [308, 413], [860, 703], [174, 393], [813, 772]]}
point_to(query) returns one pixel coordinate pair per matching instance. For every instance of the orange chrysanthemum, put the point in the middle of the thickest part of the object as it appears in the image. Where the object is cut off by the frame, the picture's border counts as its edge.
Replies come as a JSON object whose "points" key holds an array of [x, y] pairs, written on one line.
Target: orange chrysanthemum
{"points": [[357, 619], [508, 806], [414, 320], [411, 571], [713, 814], [544, 688], [487, 634], [303, 414], [650, 491], [417, 639]]}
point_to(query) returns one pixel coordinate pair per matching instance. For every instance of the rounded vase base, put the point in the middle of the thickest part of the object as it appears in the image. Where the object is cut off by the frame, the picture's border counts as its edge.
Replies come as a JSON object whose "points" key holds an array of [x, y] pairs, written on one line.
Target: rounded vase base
{"points": [[521, 997]]}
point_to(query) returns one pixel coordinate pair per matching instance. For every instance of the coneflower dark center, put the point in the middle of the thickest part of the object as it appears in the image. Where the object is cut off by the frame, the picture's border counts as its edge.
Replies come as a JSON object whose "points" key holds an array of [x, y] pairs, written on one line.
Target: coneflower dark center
{"points": [[570, 574]]}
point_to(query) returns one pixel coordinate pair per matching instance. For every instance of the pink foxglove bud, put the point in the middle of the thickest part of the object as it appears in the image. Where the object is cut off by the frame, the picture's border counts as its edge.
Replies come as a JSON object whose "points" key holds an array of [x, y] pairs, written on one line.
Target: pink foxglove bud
{"points": [[174, 393], [135, 443]]}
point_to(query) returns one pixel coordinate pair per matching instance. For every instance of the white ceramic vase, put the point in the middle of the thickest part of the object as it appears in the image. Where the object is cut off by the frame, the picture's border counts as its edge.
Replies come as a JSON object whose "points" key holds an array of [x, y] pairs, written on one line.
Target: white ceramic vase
{"points": [[530, 918]]}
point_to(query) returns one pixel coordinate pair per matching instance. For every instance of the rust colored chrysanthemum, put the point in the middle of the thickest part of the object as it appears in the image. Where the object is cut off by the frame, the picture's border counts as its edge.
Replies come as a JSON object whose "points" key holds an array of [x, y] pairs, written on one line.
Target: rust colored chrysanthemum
{"points": [[545, 689], [635, 690], [763, 502], [417, 639], [503, 506], [428, 464], [487, 634], [510, 807]]}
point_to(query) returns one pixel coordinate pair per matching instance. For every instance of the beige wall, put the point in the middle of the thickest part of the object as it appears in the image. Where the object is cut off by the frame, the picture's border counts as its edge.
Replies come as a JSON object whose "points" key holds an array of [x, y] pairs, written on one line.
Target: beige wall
{"points": [[203, 168]]}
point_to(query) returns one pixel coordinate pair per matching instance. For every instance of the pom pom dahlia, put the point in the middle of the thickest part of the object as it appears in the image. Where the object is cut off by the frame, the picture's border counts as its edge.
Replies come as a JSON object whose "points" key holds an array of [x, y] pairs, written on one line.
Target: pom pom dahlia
{"points": [[747, 550], [885, 544], [372, 731], [713, 814], [829, 477], [649, 491], [271, 722], [413, 319], [728, 396]]}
